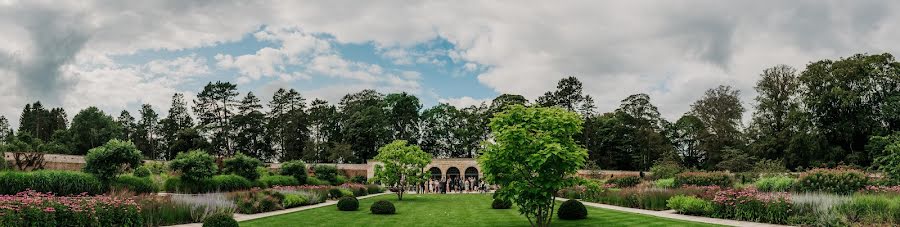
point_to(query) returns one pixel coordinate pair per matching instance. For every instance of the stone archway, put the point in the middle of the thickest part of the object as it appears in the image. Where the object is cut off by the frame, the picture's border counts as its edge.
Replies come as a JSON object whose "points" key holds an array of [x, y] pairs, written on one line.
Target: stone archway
{"points": [[435, 173], [453, 172], [472, 173]]}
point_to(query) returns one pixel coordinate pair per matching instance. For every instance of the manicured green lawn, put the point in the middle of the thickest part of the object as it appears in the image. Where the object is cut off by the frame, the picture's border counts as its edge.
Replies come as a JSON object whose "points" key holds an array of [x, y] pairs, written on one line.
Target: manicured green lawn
{"points": [[449, 210]]}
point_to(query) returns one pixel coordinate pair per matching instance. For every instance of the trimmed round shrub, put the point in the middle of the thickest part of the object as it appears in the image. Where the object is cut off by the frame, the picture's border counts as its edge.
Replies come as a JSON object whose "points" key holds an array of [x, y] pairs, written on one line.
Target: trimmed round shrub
{"points": [[326, 172], [55, 181], [140, 185], [227, 183], [194, 166], [219, 220], [348, 204], [626, 181], [295, 168], [277, 180], [720, 179], [572, 210], [501, 204], [142, 171], [383, 207], [840, 181], [242, 165], [107, 161]]}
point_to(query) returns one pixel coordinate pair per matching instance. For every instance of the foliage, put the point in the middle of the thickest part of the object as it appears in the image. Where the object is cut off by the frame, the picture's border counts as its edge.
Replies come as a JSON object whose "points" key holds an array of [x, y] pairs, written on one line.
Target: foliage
{"points": [[840, 181], [665, 183], [382, 207], [817, 209], [227, 183], [326, 172], [39, 122], [666, 170], [572, 210], [774, 184], [257, 201], [250, 121], [690, 205], [401, 166], [50, 181], [133, 184], [30, 208], [316, 181], [174, 124], [92, 128], [768, 166], [501, 204], [220, 220], [348, 204], [720, 111], [871, 210], [365, 125], [242, 165], [720, 179], [295, 168], [889, 163], [293, 200], [194, 166], [142, 171], [649, 199], [359, 179], [109, 160], [275, 180], [374, 189], [214, 109], [624, 181]]}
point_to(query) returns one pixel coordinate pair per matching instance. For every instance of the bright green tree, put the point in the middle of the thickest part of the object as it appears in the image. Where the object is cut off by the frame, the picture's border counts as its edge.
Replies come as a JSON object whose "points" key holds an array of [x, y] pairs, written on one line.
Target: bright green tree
{"points": [[113, 158], [194, 166], [533, 156], [402, 165], [91, 128]]}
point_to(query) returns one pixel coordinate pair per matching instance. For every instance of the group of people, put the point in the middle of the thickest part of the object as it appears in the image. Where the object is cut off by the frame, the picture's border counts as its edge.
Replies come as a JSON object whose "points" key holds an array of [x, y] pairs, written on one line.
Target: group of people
{"points": [[454, 184]]}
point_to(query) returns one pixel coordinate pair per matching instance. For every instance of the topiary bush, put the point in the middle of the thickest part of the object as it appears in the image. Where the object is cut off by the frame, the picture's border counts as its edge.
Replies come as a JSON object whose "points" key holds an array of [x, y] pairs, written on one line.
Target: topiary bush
{"points": [[219, 220], [108, 161], [242, 165], [720, 179], [326, 172], [194, 166], [55, 181], [840, 181], [295, 168], [348, 204], [501, 204], [626, 181], [139, 185], [277, 180], [572, 210], [383, 207], [141, 171]]}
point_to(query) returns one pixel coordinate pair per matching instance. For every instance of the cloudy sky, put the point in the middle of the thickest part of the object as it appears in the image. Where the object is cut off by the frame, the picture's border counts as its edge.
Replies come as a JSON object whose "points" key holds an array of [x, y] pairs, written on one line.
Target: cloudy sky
{"points": [[119, 54]]}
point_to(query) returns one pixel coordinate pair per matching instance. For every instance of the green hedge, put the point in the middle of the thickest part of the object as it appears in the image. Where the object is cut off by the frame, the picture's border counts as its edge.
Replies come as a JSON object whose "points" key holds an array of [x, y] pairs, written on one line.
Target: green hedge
{"points": [[720, 179], [55, 181], [134, 184], [625, 181], [274, 180], [218, 183]]}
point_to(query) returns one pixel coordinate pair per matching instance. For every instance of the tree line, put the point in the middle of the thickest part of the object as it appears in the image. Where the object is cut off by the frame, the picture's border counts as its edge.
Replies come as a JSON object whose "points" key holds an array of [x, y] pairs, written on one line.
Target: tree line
{"points": [[834, 112]]}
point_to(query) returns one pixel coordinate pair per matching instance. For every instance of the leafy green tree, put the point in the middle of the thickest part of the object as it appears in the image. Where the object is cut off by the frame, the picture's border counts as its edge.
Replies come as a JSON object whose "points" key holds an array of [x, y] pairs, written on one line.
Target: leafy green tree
{"points": [[403, 115], [847, 98], [501, 102], [437, 126], [178, 119], [324, 130], [340, 153], [607, 147], [720, 111], [402, 165], [187, 140], [194, 166], [113, 158], [40, 122], [295, 168], [6, 131], [647, 142], [288, 125], [250, 127], [126, 121], [92, 128], [687, 135], [364, 123], [214, 108], [533, 155], [242, 165], [889, 163], [146, 132], [772, 127], [568, 95]]}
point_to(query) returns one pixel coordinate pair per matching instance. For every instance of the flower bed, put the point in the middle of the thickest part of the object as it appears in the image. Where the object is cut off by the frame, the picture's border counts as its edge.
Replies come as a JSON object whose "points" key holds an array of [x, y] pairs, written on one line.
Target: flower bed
{"points": [[31, 208]]}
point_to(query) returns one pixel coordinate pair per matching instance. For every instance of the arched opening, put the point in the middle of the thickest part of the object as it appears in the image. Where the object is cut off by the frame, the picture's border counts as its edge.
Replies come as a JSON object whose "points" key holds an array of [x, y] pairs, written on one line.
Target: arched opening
{"points": [[452, 173], [435, 173], [472, 173]]}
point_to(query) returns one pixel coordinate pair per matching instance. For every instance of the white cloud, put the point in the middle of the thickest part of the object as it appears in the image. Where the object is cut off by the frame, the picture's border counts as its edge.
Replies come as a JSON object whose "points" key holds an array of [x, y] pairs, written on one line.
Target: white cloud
{"points": [[463, 102]]}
